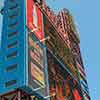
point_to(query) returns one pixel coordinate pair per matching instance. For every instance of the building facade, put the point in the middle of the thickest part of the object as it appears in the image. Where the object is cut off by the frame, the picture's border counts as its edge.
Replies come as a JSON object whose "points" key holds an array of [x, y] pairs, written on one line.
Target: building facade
{"points": [[40, 54]]}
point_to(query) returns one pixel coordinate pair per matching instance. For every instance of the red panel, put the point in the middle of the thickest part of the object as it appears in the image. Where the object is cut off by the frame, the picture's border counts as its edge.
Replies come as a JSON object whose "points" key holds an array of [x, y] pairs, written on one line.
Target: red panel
{"points": [[40, 20], [52, 93], [59, 91], [34, 19], [29, 13], [81, 69], [68, 90], [76, 95]]}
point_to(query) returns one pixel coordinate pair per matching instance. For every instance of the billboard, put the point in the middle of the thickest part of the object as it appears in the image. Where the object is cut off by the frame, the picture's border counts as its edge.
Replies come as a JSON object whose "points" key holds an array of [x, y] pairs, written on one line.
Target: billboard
{"points": [[37, 74], [36, 52], [36, 62], [37, 68], [34, 19], [37, 58]]}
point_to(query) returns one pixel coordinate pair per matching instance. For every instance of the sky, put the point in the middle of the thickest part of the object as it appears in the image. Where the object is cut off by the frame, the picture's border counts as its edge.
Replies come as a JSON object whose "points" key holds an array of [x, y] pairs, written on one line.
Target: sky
{"points": [[87, 18]]}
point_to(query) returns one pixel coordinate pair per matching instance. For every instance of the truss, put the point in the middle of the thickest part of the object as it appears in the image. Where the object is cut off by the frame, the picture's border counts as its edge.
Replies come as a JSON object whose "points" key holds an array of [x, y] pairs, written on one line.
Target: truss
{"points": [[17, 95]]}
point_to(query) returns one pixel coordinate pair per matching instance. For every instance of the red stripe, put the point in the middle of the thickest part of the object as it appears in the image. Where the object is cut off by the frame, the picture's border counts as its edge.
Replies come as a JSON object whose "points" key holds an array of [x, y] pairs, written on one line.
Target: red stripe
{"points": [[30, 19], [29, 12], [80, 68], [76, 95]]}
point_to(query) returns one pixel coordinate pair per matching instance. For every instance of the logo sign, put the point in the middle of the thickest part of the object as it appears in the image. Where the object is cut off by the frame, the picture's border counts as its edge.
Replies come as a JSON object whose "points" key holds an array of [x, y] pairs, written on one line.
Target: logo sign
{"points": [[34, 19]]}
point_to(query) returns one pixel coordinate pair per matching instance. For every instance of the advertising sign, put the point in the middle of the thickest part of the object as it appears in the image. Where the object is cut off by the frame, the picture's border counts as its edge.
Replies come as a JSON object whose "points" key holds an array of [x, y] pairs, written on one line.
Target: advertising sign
{"points": [[34, 19], [37, 69], [36, 62], [37, 74], [36, 52]]}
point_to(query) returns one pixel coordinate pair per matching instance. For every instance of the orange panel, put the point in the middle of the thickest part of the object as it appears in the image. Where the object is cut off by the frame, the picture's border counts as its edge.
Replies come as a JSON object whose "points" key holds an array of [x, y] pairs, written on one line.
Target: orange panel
{"points": [[76, 95], [59, 91], [35, 19]]}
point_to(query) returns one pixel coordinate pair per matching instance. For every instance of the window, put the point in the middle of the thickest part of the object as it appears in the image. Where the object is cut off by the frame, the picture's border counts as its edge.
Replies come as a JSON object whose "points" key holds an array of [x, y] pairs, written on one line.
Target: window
{"points": [[12, 55], [12, 34], [10, 68], [10, 83], [14, 15], [12, 44], [13, 7], [13, 25]]}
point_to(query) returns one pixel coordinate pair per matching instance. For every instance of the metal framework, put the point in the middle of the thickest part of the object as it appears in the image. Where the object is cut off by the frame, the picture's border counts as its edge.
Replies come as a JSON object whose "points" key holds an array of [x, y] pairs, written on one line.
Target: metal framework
{"points": [[68, 42], [17, 95]]}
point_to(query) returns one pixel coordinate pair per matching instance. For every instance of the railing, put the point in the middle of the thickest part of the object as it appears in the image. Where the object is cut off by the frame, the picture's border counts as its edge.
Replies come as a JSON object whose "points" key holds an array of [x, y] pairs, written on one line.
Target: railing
{"points": [[52, 17]]}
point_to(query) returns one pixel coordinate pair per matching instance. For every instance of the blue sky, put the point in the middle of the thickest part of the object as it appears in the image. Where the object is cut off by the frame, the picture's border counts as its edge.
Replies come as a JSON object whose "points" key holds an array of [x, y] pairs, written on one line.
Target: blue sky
{"points": [[87, 16]]}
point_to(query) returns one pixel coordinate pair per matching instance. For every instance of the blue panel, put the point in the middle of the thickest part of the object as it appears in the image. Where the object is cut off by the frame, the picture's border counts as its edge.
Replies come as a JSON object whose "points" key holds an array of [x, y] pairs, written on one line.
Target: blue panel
{"points": [[13, 59]]}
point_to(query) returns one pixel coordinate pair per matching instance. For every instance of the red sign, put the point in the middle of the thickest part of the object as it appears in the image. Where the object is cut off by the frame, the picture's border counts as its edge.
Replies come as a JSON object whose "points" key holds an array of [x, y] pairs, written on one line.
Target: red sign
{"points": [[59, 92], [34, 19], [76, 95]]}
